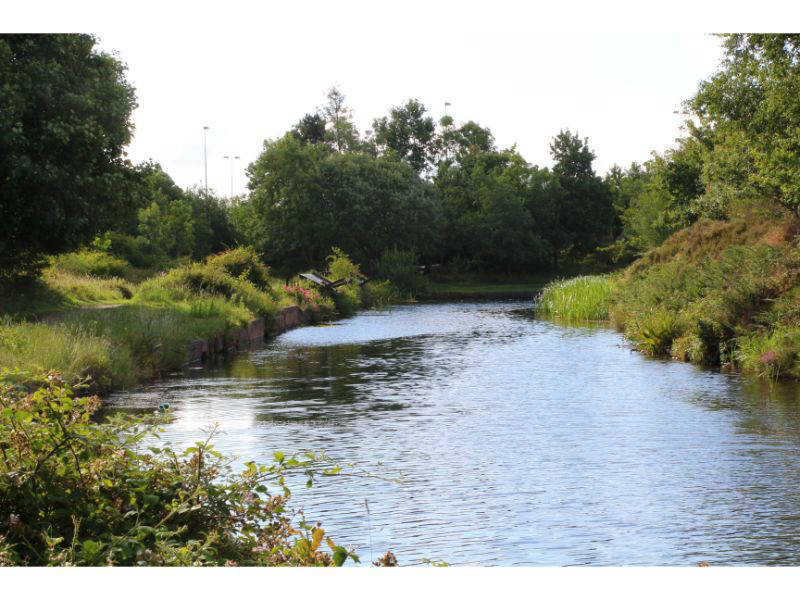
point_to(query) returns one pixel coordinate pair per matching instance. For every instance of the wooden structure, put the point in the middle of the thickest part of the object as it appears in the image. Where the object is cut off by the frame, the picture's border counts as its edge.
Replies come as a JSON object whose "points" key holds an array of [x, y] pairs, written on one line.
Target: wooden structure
{"points": [[327, 283]]}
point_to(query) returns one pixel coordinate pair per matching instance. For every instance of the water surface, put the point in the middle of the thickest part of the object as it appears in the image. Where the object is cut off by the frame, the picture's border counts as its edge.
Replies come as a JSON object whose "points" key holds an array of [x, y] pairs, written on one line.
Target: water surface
{"points": [[521, 442]]}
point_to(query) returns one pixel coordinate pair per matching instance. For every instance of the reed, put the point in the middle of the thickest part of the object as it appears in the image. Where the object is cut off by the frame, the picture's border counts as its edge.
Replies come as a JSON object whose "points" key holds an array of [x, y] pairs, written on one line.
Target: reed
{"points": [[585, 298]]}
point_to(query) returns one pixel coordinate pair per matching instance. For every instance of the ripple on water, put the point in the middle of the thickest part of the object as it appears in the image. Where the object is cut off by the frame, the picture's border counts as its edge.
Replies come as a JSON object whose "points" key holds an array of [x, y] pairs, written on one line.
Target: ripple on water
{"points": [[520, 441]]}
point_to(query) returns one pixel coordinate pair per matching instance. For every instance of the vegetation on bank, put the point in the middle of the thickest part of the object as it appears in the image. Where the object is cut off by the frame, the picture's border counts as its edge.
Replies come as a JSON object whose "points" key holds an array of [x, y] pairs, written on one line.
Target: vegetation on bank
{"points": [[78, 491], [146, 331], [716, 293], [584, 298]]}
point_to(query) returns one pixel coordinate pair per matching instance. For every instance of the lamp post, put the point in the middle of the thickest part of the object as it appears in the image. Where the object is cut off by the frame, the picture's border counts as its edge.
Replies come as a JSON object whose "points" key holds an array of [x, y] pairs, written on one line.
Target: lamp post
{"points": [[231, 159], [446, 104], [205, 157]]}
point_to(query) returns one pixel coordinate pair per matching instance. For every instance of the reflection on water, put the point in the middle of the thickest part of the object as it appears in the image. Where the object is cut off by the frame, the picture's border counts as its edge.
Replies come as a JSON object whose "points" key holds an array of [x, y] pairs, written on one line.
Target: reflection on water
{"points": [[520, 441]]}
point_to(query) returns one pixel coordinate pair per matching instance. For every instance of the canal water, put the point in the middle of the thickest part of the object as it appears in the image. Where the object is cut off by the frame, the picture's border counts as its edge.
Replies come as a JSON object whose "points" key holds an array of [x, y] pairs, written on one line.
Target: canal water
{"points": [[515, 441]]}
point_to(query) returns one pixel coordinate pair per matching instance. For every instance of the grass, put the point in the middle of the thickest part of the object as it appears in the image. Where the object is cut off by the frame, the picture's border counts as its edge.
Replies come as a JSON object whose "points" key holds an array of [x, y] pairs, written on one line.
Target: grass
{"points": [[483, 287], [75, 352], [143, 330], [585, 298]]}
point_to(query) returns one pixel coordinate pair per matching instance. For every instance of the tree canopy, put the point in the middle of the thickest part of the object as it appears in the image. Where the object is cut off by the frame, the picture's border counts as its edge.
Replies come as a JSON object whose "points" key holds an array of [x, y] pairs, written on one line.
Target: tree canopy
{"points": [[747, 119], [65, 118]]}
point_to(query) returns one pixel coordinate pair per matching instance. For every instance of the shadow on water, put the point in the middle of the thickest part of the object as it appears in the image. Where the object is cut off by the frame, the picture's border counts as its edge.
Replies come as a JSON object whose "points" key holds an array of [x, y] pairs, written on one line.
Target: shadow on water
{"points": [[522, 441]]}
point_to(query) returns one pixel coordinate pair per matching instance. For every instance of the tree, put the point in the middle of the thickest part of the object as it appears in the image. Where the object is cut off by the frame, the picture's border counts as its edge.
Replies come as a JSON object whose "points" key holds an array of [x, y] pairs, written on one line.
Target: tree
{"points": [[455, 144], [304, 200], [176, 222], [746, 118], [65, 117], [496, 210], [342, 133], [583, 212], [408, 134], [310, 129]]}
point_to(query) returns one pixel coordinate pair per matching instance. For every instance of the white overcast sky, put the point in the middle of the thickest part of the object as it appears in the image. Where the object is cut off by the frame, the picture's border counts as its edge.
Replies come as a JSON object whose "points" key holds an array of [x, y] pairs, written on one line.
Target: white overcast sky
{"points": [[612, 71]]}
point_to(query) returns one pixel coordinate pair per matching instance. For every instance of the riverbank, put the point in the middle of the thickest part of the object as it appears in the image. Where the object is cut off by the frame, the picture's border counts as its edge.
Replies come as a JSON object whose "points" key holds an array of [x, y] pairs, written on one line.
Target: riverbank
{"points": [[474, 288], [163, 323], [718, 293]]}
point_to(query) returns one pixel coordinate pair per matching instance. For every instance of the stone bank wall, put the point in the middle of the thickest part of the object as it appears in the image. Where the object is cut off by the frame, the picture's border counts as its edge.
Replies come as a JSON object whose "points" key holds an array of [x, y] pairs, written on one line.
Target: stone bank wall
{"points": [[240, 339]]}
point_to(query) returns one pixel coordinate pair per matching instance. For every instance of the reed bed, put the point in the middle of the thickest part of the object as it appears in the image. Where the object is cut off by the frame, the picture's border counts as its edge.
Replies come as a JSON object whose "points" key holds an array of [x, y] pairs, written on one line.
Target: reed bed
{"points": [[585, 298]]}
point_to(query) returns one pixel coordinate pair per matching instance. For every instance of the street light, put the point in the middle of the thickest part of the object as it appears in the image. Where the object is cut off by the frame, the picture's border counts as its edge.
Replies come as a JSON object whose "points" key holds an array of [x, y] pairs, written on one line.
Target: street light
{"points": [[205, 157], [446, 104], [231, 159]]}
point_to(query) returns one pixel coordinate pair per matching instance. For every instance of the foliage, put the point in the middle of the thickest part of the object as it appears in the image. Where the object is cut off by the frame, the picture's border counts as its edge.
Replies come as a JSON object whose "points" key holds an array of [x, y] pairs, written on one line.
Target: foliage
{"points": [[310, 129], [401, 268], [341, 133], [585, 298], [91, 262], [177, 222], [347, 298], [746, 118], [184, 283], [583, 218], [305, 199], [497, 210], [65, 117], [243, 263], [379, 294], [77, 492], [408, 135]]}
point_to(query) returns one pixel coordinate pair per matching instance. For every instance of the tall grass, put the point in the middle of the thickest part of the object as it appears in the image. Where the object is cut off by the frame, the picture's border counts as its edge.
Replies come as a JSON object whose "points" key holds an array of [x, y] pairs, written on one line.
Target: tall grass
{"points": [[88, 289], [72, 350], [585, 298], [92, 262]]}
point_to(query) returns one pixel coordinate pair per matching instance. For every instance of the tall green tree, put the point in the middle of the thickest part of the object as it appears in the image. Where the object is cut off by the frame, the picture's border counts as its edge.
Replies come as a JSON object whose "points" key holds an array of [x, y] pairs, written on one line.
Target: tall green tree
{"points": [[65, 118], [310, 129], [305, 199], [583, 213], [747, 119], [341, 131], [408, 134]]}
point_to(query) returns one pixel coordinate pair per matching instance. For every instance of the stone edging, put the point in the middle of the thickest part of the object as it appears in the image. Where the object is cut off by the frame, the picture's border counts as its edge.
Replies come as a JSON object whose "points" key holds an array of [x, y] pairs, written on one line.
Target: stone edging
{"points": [[245, 338]]}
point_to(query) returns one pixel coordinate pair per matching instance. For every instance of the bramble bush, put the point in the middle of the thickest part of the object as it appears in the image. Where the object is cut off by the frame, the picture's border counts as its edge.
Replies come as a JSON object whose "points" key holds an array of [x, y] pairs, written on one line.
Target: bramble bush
{"points": [[76, 491]]}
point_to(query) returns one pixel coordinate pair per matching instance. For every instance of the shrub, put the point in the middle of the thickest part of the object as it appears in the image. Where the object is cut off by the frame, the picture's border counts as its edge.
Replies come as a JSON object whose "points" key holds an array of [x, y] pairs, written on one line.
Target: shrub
{"points": [[243, 263], [184, 284], [379, 294], [87, 289], [770, 355], [138, 251], [402, 269], [340, 266], [91, 262], [347, 298], [77, 492]]}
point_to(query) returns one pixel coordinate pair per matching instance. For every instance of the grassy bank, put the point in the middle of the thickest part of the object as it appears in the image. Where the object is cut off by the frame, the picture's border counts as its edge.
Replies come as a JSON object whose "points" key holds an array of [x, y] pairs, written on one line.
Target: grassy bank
{"points": [[118, 333], [716, 293], [476, 288]]}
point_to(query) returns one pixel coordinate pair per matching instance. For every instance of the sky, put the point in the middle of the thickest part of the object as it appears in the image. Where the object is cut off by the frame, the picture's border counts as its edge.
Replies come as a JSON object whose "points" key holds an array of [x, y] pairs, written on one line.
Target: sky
{"points": [[613, 72]]}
